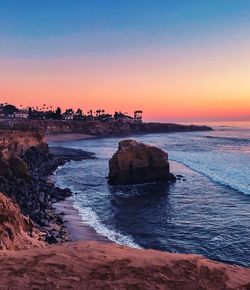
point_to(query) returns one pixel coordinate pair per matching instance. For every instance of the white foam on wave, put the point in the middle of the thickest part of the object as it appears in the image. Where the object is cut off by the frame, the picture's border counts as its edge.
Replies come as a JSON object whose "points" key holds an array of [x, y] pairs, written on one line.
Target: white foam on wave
{"points": [[57, 169], [227, 169], [90, 217]]}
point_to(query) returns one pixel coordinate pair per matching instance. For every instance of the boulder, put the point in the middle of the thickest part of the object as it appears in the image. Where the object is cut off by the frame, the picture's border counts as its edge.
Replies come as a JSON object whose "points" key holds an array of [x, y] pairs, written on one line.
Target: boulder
{"points": [[136, 163]]}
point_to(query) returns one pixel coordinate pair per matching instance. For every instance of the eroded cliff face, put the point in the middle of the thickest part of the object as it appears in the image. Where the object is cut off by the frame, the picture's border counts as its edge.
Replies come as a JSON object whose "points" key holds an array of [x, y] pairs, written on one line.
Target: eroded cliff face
{"points": [[17, 232], [13, 145], [25, 164], [98, 128], [17, 142], [95, 128]]}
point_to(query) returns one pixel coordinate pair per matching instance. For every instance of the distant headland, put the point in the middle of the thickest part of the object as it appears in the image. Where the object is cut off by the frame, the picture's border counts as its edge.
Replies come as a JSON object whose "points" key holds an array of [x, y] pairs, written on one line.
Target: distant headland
{"points": [[95, 123]]}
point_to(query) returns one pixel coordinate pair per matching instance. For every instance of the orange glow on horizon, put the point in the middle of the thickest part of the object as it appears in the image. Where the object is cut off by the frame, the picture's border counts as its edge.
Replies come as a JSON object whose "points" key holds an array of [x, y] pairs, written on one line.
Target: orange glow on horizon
{"points": [[167, 86]]}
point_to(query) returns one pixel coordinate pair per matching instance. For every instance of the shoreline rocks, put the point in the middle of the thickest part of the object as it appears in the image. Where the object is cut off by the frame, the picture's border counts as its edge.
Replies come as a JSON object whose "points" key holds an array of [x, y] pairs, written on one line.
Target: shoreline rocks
{"points": [[136, 163], [24, 178]]}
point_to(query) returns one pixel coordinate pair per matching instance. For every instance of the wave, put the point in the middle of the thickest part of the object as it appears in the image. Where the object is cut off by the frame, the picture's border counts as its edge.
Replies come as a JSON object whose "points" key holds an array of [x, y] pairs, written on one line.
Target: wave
{"points": [[90, 217], [218, 168], [232, 139], [57, 169]]}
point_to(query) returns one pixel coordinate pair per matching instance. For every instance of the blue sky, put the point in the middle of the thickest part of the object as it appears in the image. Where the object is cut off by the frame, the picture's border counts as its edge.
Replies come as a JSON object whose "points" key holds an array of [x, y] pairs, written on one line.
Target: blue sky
{"points": [[36, 18], [174, 59], [112, 24]]}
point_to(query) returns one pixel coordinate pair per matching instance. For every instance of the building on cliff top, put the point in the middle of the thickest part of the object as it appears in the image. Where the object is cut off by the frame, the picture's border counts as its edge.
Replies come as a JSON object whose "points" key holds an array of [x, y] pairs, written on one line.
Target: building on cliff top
{"points": [[138, 116], [21, 114]]}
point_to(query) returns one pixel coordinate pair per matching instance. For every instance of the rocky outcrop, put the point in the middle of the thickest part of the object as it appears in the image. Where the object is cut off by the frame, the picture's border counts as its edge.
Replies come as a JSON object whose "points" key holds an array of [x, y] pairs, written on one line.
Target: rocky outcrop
{"points": [[152, 127], [17, 142], [25, 165], [13, 145], [93, 265], [17, 232], [135, 163]]}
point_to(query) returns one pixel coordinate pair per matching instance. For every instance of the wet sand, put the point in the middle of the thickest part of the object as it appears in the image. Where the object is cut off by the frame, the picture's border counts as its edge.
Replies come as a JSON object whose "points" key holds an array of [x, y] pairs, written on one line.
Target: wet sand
{"points": [[67, 137], [77, 229]]}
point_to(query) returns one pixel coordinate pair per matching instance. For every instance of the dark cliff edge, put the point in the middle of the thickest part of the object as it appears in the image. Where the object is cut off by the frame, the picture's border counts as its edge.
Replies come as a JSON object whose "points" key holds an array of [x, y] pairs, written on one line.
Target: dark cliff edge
{"points": [[167, 128], [97, 128]]}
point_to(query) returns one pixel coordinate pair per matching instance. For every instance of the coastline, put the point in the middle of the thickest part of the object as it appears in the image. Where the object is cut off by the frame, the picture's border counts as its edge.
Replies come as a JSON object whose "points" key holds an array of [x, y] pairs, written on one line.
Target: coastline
{"points": [[74, 264], [38, 196], [67, 137], [76, 228], [83, 210]]}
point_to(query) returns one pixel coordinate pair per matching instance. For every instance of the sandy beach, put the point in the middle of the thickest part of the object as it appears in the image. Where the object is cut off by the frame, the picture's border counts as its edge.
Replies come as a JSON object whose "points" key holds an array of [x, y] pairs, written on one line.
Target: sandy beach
{"points": [[67, 137], [77, 229]]}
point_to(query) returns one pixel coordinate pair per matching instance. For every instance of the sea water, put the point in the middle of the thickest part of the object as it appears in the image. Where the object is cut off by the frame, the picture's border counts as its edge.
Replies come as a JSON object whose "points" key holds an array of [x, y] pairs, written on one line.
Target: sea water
{"points": [[207, 213]]}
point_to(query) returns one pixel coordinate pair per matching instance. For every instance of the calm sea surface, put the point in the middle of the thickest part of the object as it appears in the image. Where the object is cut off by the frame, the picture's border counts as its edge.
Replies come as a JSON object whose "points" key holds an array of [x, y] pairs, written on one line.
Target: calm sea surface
{"points": [[208, 213]]}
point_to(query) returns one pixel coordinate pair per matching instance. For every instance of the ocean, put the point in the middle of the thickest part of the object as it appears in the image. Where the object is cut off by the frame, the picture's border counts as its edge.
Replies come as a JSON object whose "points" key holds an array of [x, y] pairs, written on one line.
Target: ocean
{"points": [[206, 213]]}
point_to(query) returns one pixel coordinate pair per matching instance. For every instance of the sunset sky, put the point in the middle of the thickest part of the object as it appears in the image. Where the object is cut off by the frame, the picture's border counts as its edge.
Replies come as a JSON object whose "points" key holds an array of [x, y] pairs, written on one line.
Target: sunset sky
{"points": [[176, 60]]}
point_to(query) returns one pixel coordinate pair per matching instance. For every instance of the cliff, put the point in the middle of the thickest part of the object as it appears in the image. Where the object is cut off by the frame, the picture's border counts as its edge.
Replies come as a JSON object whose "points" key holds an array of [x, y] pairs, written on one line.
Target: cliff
{"points": [[25, 165], [65, 127], [92, 265], [13, 145], [98, 128], [17, 232], [17, 142], [167, 128]]}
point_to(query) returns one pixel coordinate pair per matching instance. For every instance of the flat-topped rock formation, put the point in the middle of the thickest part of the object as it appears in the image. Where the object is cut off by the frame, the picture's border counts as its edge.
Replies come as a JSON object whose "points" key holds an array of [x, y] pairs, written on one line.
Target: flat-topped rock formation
{"points": [[17, 232], [136, 163], [93, 265]]}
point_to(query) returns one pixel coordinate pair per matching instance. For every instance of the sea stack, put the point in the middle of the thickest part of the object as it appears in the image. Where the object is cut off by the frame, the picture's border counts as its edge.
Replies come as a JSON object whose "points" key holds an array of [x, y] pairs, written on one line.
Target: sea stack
{"points": [[136, 163]]}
